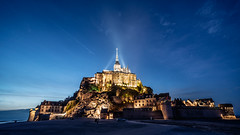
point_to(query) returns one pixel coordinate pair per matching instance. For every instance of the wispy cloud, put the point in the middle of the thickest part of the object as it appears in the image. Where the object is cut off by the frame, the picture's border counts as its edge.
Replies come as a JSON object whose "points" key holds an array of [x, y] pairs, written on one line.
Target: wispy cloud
{"points": [[186, 58], [212, 26], [28, 95], [207, 10], [214, 17], [165, 22]]}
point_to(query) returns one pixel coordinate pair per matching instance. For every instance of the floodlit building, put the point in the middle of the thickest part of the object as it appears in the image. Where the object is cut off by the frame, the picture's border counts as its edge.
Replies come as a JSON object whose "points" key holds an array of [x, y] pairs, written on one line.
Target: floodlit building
{"points": [[120, 76], [48, 107], [145, 101], [206, 102], [227, 111]]}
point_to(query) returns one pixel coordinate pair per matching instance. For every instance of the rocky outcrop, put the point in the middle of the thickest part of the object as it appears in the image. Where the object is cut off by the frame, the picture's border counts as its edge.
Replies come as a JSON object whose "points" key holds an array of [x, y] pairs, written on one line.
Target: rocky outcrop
{"points": [[89, 106]]}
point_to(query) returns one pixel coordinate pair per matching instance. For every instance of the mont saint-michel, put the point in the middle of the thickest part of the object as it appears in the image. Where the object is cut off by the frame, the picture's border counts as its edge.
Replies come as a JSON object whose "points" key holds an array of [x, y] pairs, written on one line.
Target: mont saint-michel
{"points": [[120, 94], [119, 67]]}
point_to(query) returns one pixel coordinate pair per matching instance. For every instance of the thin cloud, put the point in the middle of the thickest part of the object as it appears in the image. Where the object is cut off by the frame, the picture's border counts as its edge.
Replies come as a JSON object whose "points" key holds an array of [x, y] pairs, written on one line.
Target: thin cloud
{"points": [[213, 26], [207, 9], [213, 16], [26, 95]]}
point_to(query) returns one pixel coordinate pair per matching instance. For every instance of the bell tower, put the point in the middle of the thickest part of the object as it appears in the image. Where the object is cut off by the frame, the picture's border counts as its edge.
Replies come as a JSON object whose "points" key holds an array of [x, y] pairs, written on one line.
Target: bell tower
{"points": [[117, 66]]}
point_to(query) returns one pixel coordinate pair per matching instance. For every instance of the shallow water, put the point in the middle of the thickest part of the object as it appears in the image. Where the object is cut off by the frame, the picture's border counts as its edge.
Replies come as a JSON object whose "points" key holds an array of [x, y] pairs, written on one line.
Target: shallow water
{"points": [[12, 115]]}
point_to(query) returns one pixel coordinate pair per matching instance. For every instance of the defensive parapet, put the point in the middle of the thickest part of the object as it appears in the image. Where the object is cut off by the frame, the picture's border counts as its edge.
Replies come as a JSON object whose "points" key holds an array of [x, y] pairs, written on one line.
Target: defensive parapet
{"points": [[166, 110], [33, 114]]}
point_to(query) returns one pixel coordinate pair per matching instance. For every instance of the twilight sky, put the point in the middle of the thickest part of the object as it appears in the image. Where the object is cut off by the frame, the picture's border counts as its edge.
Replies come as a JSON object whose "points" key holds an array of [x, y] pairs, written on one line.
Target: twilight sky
{"points": [[188, 48]]}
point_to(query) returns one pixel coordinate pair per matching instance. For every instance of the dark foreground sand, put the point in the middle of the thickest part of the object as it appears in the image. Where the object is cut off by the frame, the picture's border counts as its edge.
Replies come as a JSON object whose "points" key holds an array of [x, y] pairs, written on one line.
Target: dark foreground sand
{"points": [[89, 127]]}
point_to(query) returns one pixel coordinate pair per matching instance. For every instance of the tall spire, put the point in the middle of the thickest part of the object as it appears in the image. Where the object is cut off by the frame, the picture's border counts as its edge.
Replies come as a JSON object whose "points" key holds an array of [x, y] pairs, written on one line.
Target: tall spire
{"points": [[117, 66], [116, 54]]}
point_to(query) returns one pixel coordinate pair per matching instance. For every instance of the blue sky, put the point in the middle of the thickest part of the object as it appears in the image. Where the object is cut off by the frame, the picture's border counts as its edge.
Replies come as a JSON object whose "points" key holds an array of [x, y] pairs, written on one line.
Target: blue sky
{"points": [[188, 48]]}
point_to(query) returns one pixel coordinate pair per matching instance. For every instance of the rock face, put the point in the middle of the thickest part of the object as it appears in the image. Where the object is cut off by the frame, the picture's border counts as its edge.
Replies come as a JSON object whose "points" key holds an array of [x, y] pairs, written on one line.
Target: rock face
{"points": [[89, 106]]}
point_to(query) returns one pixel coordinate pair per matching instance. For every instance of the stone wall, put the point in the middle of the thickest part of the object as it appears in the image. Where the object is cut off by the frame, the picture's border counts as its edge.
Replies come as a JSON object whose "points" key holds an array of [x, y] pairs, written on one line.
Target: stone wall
{"points": [[191, 112], [141, 113], [33, 114], [167, 111]]}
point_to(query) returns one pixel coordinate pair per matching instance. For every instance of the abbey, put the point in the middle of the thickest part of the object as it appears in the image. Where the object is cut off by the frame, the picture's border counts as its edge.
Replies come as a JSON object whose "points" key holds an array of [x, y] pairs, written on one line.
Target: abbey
{"points": [[119, 76]]}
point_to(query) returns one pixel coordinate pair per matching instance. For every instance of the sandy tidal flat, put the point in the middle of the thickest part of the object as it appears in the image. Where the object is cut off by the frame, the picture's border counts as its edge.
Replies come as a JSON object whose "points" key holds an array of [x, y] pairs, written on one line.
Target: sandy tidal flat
{"points": [[89, 127]]}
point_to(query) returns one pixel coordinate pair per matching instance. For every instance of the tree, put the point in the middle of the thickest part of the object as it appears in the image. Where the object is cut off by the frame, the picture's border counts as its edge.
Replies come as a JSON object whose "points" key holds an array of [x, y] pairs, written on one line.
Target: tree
{"points": [[140, 88], [149, 90], [93, 87]]}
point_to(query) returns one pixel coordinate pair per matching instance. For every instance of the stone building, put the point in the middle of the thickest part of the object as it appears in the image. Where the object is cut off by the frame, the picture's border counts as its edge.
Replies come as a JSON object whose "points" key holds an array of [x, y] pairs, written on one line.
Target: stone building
{"points": [[227, 111], [48, 107], [162, 97], [145, 101], [105, 79], [206, 102]]}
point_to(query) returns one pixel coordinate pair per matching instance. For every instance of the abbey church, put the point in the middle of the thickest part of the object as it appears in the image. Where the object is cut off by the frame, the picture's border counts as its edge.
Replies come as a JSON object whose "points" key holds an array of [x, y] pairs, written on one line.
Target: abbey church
{"points": [[120, 76]]}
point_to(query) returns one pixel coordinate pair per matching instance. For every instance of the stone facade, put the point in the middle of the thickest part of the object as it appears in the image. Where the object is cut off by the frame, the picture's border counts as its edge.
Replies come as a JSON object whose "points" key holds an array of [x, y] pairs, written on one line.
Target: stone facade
{"points": [[106, 79], [145, 101], [48, 107], [227, 111], [206, 102]]}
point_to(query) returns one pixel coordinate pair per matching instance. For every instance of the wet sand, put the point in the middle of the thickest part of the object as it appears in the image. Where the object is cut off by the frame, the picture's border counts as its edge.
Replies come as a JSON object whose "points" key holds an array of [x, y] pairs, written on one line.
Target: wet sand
{"points": [[85, 126], [222, 126]]}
